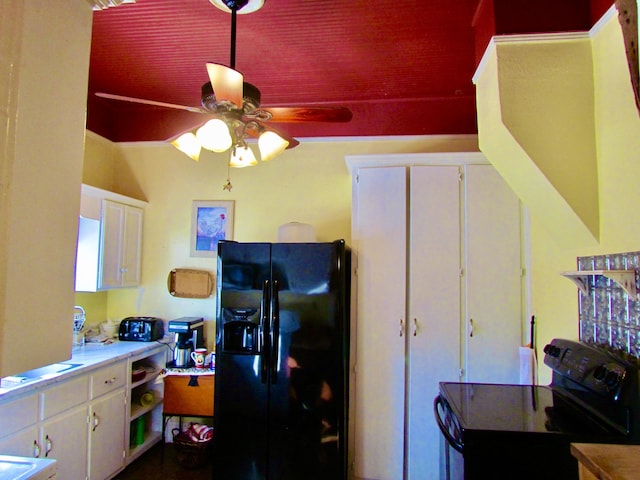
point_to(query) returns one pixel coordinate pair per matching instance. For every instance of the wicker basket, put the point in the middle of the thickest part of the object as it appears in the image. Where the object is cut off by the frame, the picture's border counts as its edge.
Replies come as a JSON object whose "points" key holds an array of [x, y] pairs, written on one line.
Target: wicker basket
{"points": [[190, 454]]}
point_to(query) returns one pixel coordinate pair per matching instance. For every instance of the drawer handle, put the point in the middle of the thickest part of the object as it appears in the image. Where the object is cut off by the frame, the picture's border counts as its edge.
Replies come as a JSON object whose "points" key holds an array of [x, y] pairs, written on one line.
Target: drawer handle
{"points": [[36, 449], [109, 381], [96, 421], [48, 446]]}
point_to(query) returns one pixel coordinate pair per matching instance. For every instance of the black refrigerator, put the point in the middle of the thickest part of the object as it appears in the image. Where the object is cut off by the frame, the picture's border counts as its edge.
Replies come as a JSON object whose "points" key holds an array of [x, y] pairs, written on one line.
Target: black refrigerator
{"points": [[282, 361]]}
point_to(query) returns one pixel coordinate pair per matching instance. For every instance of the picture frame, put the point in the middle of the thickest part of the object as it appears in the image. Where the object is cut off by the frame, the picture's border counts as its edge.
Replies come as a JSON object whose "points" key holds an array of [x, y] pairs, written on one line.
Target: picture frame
{"points": [[211, 221]]}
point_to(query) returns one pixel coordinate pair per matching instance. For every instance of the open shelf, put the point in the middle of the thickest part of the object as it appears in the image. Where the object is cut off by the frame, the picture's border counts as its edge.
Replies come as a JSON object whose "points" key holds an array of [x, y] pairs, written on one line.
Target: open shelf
{"points": [[625, 278], [139, 410], [151, 438]]}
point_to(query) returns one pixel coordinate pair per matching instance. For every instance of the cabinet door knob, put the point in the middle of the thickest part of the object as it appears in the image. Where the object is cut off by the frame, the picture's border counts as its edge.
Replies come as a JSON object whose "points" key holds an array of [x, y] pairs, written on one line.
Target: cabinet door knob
{"points": [[110, 380], [401, 327], [471, 327], [415, 327]]}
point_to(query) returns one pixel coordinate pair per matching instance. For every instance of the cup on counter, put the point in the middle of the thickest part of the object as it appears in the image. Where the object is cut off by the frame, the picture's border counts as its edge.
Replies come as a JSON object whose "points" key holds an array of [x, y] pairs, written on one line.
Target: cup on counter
{"points": [[198, 356], [212, 361]]}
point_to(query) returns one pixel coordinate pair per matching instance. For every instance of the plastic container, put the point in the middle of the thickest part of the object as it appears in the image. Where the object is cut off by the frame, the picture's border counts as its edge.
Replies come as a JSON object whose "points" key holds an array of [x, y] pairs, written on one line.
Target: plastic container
{"points": [[136, 435]]}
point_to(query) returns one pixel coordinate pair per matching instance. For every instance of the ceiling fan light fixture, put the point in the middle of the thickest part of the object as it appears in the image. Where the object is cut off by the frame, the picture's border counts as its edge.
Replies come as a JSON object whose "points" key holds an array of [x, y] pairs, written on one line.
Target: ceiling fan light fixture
{"points": [[227, 84], [188, 144], [271, 145], [214, 135], [242, 156]]}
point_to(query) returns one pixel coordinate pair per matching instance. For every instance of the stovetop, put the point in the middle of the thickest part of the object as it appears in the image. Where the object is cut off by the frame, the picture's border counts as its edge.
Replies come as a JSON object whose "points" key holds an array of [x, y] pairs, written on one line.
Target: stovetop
{"points": [[592, 393], [517, 409]]}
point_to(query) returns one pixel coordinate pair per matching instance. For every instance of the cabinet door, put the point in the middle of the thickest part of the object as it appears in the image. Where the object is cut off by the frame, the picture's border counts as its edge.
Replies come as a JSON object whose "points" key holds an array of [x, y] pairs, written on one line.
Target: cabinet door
{"points": [[121, 245], [107, 435], [379, 237], [24, 443], [113, 221], [494, 277], [434, 307], [132, 246], [64, 438]]}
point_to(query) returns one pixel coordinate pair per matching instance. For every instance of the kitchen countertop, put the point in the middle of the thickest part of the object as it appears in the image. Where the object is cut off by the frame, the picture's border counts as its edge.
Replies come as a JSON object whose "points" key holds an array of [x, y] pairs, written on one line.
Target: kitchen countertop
{"points": [[608, 462], [89, 357]]}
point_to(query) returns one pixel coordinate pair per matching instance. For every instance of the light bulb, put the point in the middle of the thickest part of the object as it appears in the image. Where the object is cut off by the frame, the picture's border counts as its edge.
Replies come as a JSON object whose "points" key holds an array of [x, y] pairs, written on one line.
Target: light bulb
{"points": [[271, 145], [214, 135], [242, 157], [188, 144]]}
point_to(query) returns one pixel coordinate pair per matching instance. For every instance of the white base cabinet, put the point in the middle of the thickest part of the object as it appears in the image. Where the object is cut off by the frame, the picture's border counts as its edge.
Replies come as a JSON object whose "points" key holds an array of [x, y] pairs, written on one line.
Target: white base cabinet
{"points": [[438, 293], [64, 438], [106, 437]]}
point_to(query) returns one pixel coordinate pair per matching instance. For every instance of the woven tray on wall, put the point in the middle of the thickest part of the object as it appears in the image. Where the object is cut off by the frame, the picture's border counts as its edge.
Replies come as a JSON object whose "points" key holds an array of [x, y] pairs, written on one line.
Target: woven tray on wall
{"points": [[190, 283]]}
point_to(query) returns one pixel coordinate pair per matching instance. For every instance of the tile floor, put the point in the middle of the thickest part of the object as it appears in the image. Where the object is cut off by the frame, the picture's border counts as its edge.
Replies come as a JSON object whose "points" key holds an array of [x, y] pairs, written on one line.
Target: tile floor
{"points": [[154, 465]]}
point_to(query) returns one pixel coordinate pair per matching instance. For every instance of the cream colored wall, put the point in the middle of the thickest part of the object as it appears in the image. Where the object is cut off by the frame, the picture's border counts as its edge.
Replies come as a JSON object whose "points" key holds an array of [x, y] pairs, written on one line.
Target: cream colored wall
{"points": [[555, 299], [309, 184]]}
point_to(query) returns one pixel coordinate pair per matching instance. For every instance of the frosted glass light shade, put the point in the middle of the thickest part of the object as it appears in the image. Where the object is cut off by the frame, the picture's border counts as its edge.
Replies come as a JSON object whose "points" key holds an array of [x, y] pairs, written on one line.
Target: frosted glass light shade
{"points": [[188, 144], [271, 145], [226, 83], [214, 135], [242, 157]]}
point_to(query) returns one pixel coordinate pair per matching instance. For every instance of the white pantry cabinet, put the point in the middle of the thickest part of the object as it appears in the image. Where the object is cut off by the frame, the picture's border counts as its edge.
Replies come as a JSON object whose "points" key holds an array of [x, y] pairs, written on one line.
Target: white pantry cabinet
{"points": [[437, 289], [109, 241]]}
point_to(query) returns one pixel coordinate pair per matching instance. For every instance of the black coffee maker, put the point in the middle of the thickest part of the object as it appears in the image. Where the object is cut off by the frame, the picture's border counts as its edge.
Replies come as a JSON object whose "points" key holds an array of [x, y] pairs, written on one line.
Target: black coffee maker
{"points": [[189, 335]]}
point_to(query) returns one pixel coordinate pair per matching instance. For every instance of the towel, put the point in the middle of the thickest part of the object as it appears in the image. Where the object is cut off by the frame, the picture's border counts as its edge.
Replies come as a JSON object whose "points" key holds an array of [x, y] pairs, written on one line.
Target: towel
{"points": [[527, 366], [199, 433]]}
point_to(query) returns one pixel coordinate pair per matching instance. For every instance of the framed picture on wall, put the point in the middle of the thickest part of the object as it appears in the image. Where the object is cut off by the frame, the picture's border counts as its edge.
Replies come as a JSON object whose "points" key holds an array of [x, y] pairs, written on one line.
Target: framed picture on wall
{"points": [[211, 221]]}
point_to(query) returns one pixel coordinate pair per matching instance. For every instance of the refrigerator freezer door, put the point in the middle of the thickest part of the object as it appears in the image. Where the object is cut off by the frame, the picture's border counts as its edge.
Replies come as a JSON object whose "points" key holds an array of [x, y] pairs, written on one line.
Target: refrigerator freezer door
{"points": [[241, 393]]}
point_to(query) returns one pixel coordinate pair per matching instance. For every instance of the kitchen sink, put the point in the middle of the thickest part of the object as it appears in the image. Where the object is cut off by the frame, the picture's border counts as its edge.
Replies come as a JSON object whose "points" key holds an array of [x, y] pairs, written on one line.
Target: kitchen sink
{"points": [[48, 371], [41, 373]]}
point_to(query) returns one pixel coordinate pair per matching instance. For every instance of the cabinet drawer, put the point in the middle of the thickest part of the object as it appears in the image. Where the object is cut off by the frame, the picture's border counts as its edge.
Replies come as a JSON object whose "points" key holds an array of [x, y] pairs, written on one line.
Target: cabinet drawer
{"points": [[64, 396], [182, 399], [18, 414], [108, 378]]}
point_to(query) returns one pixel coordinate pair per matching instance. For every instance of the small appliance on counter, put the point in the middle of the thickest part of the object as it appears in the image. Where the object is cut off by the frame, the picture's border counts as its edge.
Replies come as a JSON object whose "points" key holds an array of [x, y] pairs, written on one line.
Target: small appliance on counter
{"points": [[189, 335], [141, 329]]}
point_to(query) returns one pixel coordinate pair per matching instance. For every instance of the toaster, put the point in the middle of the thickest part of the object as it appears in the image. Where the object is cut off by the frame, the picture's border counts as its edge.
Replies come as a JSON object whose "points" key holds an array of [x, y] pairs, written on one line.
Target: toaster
{"points": [[141, 329]]}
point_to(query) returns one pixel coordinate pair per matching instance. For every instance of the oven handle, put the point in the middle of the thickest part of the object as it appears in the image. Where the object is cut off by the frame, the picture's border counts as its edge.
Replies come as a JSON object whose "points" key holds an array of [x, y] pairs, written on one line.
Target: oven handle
{"points": [[445, 431]]}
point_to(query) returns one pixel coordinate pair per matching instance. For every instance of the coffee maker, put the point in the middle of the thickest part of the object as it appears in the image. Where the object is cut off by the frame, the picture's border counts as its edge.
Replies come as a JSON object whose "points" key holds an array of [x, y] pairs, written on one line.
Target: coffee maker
{"points": [[189, 335]]}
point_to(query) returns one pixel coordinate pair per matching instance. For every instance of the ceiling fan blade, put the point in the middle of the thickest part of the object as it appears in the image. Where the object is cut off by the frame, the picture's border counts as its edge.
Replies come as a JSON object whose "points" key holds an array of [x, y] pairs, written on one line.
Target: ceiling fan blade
{"points": [[308, 114], [226, 83], [150, 102]]}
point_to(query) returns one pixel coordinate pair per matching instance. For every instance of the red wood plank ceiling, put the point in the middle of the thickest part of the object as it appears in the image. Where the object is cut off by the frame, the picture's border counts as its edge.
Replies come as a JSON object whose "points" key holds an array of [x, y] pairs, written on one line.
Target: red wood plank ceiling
{"points": [[403, 67]]}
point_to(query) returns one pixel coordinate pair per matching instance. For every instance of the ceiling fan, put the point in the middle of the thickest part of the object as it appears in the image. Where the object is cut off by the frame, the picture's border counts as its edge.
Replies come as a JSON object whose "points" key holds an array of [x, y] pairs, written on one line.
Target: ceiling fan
{"points": [[236, 110]]}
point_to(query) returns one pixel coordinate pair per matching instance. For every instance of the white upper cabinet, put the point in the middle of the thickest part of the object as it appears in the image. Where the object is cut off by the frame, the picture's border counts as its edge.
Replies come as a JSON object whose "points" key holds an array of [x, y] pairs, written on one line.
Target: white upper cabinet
{"points": [[109, 241]]}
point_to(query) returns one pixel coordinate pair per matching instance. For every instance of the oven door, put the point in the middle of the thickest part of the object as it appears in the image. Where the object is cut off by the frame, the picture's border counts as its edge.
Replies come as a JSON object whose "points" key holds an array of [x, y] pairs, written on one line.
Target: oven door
{"points": [[451, 446]]}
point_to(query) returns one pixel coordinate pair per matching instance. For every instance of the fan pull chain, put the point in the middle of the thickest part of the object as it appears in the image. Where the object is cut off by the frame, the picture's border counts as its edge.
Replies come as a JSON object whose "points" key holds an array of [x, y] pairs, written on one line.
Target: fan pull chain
{"points": [[227, 185]]}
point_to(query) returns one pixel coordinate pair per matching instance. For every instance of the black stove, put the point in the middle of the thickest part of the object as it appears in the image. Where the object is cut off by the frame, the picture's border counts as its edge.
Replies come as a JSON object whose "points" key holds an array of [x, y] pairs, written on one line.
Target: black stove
{"points": [[525, 431]]}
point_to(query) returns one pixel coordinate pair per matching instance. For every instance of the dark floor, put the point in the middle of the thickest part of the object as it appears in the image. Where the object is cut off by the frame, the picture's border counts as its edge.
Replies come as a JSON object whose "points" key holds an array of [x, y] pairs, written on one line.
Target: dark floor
{"points": [[154, 465]]}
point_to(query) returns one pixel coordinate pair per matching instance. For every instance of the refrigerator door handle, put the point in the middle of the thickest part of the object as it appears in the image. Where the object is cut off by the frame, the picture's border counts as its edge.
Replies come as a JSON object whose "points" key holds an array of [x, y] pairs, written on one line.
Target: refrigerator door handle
{"points": [[275, 331], [263, 348]]}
